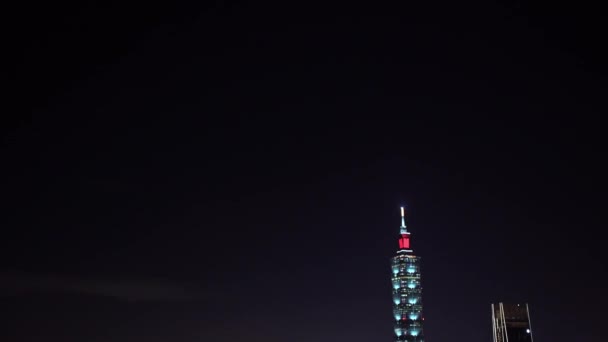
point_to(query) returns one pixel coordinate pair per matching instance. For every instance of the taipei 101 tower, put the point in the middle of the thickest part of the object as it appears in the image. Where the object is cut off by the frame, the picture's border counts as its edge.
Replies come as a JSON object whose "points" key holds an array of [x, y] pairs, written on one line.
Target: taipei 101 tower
{"points": [[407, 290]]}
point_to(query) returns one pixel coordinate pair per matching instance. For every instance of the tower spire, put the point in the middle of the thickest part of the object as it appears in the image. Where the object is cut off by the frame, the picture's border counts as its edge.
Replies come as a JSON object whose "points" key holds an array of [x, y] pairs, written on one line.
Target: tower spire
{"points": [[403, 229]]}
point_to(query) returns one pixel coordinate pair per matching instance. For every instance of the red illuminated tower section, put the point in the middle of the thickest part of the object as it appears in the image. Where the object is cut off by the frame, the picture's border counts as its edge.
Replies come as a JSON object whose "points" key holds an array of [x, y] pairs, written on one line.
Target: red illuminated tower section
{"points": [[407, 290]]}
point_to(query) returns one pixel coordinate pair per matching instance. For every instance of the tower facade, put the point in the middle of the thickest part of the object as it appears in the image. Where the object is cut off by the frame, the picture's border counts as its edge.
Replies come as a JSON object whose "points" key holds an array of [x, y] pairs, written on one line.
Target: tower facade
{"points": [[407, 290], [511, 323]]}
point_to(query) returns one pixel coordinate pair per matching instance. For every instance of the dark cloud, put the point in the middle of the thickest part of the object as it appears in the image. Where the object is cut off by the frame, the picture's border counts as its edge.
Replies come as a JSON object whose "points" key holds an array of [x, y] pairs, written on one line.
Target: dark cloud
{"points": [[131, 289]]}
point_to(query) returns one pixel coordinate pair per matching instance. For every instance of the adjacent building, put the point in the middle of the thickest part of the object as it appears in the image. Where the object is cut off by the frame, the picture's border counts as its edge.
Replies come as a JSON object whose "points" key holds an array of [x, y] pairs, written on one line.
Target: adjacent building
{"points": [[407, 290], [511, 323]]}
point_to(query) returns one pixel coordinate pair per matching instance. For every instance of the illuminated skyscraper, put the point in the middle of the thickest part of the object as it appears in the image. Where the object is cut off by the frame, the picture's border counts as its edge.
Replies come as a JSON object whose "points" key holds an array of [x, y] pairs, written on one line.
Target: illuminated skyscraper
{"points": [[511, 323], [407, 290]]}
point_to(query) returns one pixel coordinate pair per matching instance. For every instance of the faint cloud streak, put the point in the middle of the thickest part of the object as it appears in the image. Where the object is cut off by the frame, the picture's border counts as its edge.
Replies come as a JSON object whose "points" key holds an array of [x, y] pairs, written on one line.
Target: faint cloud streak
{"points": [[130, 289]]}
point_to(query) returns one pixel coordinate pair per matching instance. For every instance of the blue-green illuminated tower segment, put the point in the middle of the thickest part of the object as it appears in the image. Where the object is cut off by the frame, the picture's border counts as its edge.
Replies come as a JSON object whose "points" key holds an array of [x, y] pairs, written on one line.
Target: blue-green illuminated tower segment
{"points": [[407, 290]]}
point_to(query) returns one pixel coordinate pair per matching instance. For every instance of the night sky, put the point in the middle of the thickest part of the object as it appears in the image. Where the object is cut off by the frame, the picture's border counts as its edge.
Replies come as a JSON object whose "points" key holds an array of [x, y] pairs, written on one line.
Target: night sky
{"points": [[215, 171]]}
